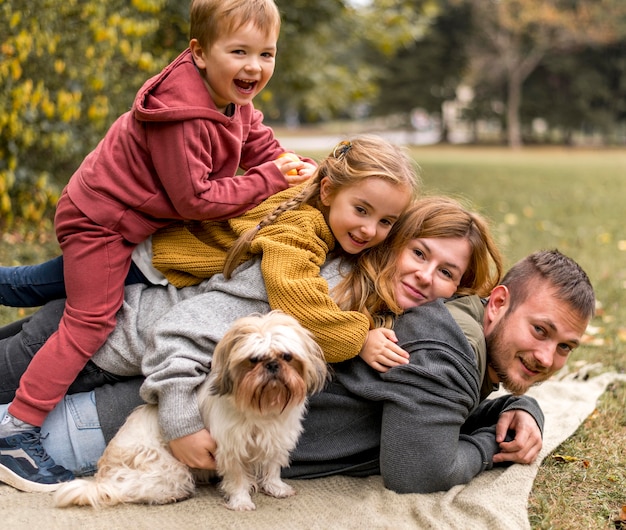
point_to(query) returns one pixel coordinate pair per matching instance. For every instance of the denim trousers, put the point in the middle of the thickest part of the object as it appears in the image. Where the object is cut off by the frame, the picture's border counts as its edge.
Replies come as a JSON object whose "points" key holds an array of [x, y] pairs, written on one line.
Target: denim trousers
{"points": [[34, 285], [71, 433]]}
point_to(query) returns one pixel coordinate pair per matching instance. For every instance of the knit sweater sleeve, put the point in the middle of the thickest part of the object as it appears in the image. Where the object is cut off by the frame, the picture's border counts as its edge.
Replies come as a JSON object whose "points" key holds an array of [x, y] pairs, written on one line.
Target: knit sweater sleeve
{"points": [[187, 253], [422, 449], [293, 249]]}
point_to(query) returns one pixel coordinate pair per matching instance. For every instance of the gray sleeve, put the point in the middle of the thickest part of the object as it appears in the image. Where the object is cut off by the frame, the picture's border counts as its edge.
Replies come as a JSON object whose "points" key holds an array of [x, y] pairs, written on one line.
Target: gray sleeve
{"points": [[179, 350], [488, 412], [421, 448], [176, 361]]}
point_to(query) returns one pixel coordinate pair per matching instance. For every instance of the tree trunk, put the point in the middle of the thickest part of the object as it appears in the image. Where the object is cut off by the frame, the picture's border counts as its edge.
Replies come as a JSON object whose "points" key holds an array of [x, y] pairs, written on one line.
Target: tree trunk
{"points": [[514, 100]]}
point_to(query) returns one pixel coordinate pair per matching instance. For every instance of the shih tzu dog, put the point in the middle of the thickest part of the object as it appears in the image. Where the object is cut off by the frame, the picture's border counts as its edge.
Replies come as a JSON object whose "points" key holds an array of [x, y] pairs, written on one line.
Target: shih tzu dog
{"points": [[252, 402]]}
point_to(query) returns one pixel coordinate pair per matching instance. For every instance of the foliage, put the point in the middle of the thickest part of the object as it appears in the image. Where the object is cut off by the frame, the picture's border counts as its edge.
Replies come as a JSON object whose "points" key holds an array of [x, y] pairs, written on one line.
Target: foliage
{"points": [[427, 71], [584, 88], [67, 69]]}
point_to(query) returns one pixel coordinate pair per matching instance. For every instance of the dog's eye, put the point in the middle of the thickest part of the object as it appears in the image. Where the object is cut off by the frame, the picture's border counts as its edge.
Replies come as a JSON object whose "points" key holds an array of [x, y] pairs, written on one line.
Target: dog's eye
{"points": [[287, 356], [255, 360]]}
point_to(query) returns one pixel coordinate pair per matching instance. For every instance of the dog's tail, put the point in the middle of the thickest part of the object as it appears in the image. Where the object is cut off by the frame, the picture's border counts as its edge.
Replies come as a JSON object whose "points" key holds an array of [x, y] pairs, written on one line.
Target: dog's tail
{"points": [[82, 492], [134, 488]]}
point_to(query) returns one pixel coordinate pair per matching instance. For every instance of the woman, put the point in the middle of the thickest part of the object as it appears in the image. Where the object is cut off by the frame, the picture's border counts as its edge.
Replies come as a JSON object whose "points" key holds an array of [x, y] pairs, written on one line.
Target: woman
{"points": [[436, 250]]}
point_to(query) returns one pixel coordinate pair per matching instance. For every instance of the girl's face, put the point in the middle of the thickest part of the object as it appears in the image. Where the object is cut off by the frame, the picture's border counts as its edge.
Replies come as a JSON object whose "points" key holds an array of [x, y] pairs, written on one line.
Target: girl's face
{"points": [[237, 66], [360, 216], [430, 268]]}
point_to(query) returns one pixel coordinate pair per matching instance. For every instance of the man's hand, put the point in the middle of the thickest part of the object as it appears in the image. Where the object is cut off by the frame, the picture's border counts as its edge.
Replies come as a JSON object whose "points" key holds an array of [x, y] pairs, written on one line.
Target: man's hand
{"points": [[195, 450], [525, 447]]}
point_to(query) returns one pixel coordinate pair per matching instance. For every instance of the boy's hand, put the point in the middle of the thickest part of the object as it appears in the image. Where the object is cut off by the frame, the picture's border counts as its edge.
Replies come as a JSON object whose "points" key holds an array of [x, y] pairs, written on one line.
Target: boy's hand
{"points": [[195, 450], [381, 351], [295, 170]]}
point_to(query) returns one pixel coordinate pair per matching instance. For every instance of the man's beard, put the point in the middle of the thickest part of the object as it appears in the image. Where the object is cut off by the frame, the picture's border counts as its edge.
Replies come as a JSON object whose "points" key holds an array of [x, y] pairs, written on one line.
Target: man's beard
{"points": [[497, 354]]}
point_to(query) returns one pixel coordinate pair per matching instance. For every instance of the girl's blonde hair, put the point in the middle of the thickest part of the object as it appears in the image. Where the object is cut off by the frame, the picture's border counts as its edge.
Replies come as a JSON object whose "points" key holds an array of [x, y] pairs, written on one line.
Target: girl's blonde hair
{"points": [[369, 286], [349, 164], [210, 19]]}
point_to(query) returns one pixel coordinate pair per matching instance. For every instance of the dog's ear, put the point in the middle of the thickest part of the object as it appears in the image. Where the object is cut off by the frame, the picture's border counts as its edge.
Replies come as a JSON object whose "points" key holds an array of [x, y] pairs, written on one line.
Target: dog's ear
{"points": [[317, 370], [221, 381]]}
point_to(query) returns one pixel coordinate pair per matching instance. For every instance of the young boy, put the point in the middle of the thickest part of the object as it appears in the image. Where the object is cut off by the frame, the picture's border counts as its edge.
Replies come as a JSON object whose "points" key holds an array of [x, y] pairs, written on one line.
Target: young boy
{"points": [[173, 156]]}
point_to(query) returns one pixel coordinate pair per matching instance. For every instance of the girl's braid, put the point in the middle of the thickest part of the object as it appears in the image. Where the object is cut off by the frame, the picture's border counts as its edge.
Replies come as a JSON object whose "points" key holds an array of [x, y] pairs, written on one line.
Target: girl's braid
{"points": [[241, 247]]}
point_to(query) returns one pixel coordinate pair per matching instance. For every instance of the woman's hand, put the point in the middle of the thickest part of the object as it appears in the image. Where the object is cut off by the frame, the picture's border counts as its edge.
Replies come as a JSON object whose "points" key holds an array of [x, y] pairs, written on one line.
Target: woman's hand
{"points": [[381, 351], [195, 450]]}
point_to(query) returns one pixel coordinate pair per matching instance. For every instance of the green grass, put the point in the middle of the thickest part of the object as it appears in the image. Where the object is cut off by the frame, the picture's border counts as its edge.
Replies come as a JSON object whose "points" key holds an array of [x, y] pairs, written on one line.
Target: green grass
{"points": [[573, 200]]}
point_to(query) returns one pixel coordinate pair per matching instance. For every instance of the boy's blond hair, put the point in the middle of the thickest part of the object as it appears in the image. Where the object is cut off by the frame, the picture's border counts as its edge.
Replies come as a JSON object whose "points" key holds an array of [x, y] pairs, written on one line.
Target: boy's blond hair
{"points": [[210, 19]]}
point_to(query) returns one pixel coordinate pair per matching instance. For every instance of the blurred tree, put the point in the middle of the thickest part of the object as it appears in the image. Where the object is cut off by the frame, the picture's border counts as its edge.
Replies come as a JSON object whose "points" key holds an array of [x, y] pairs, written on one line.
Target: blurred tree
{"points": [[427, 71], [324, 65], [581, 90], [513, 36]]}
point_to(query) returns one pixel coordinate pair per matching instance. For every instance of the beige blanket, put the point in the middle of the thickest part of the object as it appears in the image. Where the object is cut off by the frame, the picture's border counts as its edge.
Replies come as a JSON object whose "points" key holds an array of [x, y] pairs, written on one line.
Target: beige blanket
{"points": [[495, 499]]}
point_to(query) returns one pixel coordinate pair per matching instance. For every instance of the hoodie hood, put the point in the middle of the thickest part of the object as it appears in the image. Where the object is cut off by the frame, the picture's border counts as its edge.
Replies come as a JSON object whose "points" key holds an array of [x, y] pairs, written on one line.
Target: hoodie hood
{"points": [[177, 93]]}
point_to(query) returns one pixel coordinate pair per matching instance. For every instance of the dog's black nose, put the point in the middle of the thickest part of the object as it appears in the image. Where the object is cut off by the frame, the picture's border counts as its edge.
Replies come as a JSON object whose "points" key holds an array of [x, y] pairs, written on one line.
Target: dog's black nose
{"points": [[272, 366]]}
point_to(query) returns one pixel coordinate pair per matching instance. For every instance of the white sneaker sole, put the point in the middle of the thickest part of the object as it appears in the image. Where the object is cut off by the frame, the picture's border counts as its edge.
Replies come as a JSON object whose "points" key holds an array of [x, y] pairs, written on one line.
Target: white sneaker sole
{"points": [[9, 477]]}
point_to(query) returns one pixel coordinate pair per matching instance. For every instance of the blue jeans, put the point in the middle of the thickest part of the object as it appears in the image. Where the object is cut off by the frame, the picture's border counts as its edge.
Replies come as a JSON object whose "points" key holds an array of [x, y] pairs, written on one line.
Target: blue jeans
{"points": [[34, 285], [71, 433]]}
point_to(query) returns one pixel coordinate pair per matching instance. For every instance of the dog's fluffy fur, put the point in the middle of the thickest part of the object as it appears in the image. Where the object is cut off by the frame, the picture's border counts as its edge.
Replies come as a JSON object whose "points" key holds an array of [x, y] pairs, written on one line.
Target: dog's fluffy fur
{"points": [[252, 402]]}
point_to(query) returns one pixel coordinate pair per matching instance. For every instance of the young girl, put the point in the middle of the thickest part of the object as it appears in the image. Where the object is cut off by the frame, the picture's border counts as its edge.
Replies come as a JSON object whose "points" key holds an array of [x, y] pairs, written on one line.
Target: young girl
{"points": [[174, 155], [349, 205], [437, 249]]}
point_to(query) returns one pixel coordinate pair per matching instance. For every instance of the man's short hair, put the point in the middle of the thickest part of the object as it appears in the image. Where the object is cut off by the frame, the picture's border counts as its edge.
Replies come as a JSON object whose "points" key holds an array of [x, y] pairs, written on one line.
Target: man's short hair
{"points": [[551, 269]]}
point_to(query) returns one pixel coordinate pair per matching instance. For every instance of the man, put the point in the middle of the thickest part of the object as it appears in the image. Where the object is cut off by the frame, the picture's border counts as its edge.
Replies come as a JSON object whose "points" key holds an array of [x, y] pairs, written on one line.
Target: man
{"points": [[426, 426]]}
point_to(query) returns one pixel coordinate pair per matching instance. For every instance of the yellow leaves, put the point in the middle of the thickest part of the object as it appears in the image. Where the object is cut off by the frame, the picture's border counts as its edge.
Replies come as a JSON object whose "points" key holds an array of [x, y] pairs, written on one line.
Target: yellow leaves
{"points": [[15, 19], [148, 6], [68, 105], [146, 61], [16, 69], [99, 109]]}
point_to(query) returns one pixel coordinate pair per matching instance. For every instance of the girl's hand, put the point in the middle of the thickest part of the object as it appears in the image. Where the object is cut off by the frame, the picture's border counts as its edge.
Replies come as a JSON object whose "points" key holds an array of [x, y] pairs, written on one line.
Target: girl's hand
{"points": [[381, 351], [195, 450]]}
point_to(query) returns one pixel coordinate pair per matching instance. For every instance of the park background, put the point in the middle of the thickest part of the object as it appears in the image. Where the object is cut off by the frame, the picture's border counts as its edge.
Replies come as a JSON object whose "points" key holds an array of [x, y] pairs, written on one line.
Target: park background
{"points": [[517, 107]]}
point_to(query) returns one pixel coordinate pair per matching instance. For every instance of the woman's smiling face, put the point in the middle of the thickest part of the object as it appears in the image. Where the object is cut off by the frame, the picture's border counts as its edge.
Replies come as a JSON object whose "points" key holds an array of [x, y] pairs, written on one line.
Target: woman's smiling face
{"points": [[430, 268]]}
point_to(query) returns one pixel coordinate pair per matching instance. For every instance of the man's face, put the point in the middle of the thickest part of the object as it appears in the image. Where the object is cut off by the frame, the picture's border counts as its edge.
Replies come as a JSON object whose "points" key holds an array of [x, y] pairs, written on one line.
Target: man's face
{"points": [[533, 342]]}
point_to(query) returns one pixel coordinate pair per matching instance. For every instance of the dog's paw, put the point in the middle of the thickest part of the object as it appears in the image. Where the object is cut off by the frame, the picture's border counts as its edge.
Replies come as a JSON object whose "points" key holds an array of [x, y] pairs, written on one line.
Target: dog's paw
{"points": [[240, 502], [278, 489]]}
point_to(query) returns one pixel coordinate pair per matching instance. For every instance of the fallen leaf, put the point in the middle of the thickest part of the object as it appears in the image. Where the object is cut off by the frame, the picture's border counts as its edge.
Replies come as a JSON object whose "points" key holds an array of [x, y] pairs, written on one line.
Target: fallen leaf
{"points": [[569, 459]]}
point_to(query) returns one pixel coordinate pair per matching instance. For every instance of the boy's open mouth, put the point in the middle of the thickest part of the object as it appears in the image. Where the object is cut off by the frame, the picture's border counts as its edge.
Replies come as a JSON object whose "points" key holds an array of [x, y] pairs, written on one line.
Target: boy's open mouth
{"points": [[246, 86]]}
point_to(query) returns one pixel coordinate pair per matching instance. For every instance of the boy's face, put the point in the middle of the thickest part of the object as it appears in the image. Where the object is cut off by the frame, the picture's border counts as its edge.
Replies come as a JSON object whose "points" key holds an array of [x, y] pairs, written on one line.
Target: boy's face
{"points": [[237, 66]]}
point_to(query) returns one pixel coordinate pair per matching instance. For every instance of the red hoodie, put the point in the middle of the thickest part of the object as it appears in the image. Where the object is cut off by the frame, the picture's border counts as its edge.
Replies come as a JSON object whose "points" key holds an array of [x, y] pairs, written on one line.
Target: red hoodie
{"points": [[175, 156]]}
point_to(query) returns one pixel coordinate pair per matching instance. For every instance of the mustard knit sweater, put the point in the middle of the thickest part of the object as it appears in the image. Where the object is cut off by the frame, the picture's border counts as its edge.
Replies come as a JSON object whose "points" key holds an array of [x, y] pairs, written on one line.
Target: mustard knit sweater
{"points": [[293, 248]]}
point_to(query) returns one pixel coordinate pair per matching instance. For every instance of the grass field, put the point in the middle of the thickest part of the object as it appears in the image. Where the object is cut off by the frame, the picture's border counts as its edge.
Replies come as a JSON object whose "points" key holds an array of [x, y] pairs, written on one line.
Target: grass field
{"points": [[573, 200]]}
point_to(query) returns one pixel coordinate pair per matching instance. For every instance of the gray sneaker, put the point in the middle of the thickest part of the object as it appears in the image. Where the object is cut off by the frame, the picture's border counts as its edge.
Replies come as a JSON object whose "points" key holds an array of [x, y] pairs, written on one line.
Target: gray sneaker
{"points": [[25, 465]]}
